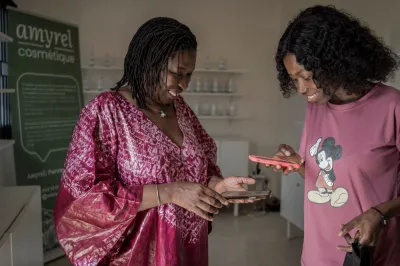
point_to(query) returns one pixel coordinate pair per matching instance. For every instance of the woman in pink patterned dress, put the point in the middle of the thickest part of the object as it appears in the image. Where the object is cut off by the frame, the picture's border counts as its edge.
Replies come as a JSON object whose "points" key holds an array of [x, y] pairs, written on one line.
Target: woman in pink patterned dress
{"points": [[140, 179]]}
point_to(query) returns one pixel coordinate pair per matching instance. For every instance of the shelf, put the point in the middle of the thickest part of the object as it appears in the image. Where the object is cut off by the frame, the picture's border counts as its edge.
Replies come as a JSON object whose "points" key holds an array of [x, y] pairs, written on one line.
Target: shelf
{"points": [[5, 38], [92, 92], [217, 94], [102, 68], [7, 90], [227, 71], [210, 117], [201, 94]]}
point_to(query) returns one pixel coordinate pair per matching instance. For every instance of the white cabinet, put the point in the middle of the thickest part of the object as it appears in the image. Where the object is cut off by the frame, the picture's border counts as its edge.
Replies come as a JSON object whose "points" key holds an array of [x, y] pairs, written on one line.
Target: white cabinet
{"points": [[233, 156], [233, 159], [21, 226], [292, 205]]}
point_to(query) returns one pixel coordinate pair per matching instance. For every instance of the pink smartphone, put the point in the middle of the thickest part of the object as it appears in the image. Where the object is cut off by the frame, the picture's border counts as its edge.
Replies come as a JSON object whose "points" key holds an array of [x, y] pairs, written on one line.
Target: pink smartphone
{"points": [[273, 161]]}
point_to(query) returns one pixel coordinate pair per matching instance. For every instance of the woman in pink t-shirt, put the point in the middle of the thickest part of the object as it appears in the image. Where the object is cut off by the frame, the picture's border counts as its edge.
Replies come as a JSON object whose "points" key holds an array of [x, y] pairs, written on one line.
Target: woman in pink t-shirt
{"points": [[351, 138]]}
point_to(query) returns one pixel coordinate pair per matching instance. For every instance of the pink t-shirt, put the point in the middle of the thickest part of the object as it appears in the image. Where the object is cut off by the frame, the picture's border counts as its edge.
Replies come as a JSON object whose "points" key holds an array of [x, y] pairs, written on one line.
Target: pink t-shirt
{"points": [[352, 163]]}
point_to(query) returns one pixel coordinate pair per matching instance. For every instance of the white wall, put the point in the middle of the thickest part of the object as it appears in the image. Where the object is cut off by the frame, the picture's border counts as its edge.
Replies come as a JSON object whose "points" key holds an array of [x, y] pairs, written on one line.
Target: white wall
{"points": [[246, 32]]}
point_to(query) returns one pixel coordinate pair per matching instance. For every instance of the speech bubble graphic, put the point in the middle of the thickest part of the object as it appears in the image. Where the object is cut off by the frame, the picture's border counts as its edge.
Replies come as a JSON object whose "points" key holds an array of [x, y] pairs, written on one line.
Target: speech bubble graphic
{"points": [[48, 108]]}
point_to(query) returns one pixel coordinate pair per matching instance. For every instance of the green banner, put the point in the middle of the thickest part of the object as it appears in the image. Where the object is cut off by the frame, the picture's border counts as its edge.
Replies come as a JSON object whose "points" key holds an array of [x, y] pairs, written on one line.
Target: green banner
{"points": [[44, 67]]}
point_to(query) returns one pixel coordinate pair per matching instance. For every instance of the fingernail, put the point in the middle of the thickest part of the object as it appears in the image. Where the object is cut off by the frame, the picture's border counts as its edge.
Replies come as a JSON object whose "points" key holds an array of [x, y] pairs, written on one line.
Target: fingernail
{"points": [[340, 233]]}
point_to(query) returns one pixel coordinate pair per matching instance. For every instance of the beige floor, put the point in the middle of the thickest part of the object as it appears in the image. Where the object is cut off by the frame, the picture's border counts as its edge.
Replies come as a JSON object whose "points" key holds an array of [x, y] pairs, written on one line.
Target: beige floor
{"points": [[252, 239]]}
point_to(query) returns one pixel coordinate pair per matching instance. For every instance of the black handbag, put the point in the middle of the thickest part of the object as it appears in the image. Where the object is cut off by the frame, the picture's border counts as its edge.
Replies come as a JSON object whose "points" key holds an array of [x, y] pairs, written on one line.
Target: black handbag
{"points": [[361, 256]]}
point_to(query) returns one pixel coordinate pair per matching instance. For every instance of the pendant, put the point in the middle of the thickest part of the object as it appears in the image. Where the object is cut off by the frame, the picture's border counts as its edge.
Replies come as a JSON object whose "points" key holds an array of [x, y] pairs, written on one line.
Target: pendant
{"points": [[163, 114]]}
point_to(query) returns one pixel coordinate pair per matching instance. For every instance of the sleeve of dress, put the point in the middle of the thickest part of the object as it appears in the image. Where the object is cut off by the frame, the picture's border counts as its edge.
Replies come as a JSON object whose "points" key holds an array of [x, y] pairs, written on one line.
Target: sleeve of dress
{"points": [[93, 208]]}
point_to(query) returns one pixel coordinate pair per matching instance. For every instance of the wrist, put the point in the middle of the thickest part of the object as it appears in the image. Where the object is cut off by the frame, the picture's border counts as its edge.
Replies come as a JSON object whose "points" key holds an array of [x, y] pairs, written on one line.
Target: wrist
{"points": [[214, 181], [166, 193], [385, 209], [383, 218], [217, 185]]}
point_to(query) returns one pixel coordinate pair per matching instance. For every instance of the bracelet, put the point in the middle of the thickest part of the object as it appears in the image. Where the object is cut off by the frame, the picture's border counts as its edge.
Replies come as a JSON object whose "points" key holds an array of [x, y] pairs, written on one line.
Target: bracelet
{"points": [[158, 196], [381, 214]]}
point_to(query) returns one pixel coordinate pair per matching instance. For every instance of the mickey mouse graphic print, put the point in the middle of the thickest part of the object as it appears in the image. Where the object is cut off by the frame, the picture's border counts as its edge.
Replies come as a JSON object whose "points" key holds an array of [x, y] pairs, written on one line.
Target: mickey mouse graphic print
{"points": [[325, 157]]}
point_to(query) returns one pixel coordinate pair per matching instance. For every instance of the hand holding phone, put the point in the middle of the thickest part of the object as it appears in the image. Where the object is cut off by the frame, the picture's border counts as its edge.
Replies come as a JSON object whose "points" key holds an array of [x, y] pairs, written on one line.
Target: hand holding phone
{"points": [[287, 154], [273, 161]]}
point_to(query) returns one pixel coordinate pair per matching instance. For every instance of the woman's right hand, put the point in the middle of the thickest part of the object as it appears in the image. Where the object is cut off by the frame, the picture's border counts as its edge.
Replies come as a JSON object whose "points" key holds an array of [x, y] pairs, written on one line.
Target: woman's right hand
{"points": [[286, 153], [197, 198]]}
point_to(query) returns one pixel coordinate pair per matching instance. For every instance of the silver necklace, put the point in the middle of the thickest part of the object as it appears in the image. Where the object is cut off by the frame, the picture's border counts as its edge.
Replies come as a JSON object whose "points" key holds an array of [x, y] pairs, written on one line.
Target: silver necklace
{"points": [[162, 113]]}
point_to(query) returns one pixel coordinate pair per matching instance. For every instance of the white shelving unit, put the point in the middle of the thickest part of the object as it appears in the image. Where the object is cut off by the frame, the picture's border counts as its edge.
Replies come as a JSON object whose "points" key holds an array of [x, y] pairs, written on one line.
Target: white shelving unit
{"points": [[211, 94], [226, 71], [102, 68], [223, 98], [219, 117], [185, 94], [199, 70], [92, 92]]}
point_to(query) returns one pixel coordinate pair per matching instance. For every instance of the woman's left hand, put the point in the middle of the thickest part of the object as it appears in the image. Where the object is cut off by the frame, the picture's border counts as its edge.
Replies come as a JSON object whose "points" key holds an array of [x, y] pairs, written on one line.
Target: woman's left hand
{"points": [[369, 226], [234, 183]]}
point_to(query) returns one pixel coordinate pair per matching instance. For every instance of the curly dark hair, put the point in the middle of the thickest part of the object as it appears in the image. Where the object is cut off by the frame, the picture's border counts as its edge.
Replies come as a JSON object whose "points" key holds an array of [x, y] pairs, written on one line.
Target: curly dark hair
{"points": [[337, 48], [154, 43]]}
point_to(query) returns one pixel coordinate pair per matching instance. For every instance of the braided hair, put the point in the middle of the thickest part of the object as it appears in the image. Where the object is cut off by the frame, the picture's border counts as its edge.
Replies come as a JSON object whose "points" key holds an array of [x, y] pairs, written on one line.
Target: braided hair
{"points": [[155, 42]]}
